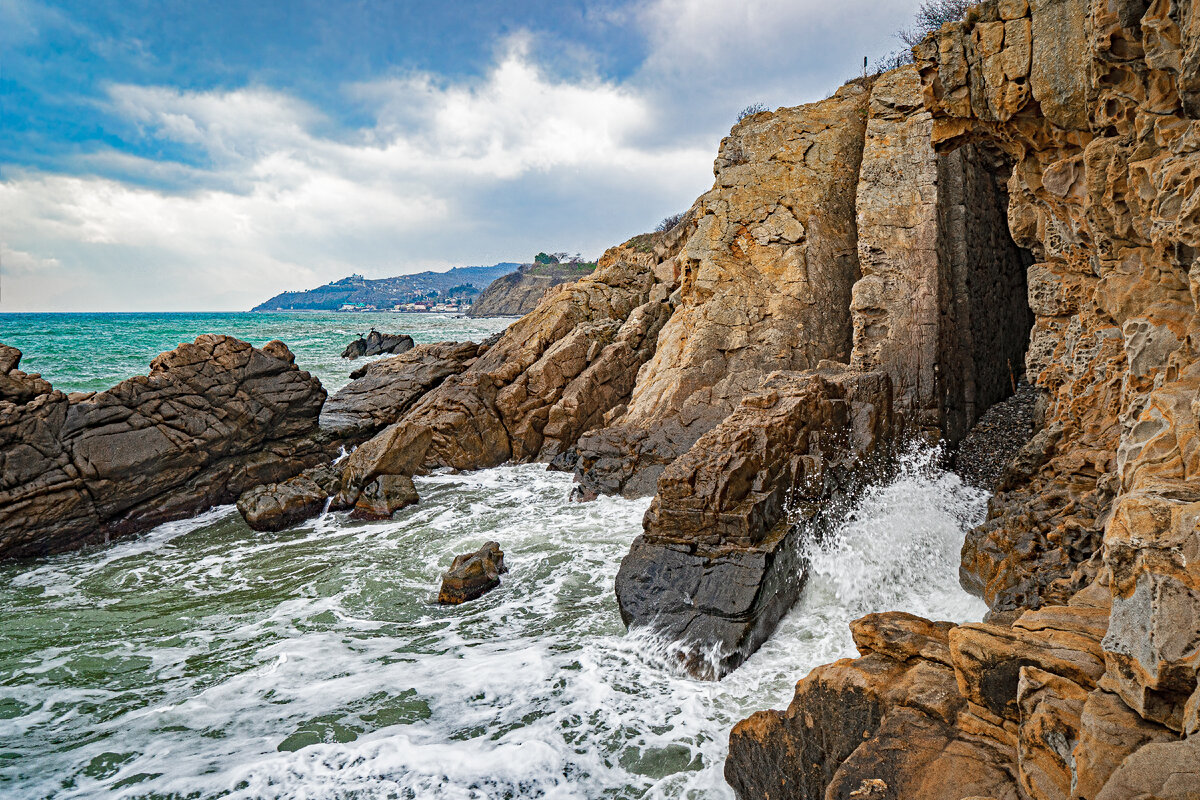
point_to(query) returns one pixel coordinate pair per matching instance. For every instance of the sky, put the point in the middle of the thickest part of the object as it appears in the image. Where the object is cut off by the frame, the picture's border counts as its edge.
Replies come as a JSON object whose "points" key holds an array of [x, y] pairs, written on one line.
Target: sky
{"points": [[188, 155]]}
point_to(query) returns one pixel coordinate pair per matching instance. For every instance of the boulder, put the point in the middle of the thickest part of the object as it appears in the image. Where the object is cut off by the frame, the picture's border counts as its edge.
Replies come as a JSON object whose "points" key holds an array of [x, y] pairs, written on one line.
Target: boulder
{"points": [[277, 506], [472, 575], [212, 419], [384, 496], [720, 562], [384, 390], [377, 344]]}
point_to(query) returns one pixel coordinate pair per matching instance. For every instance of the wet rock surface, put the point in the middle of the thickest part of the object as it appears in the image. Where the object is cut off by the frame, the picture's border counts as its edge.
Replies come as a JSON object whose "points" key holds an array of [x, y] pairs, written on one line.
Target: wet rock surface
{"points": [[212, 418], [377, 344], [993, 443], [720, 560], [472, 575]]}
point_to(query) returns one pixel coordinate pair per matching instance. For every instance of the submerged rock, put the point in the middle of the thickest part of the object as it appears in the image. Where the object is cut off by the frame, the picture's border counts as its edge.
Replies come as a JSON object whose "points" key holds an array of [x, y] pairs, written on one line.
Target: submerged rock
{"points": [[472, 575], [376, 344], [212, 419]]}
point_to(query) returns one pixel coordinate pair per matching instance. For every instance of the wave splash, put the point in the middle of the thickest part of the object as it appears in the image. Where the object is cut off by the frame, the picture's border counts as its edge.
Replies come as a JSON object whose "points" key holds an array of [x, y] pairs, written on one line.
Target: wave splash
{"points": [[204, 660]]}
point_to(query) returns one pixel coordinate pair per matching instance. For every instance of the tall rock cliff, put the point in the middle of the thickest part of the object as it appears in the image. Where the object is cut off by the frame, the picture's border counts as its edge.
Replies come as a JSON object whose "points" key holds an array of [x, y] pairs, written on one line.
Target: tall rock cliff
{"points": [[1083, 683]]}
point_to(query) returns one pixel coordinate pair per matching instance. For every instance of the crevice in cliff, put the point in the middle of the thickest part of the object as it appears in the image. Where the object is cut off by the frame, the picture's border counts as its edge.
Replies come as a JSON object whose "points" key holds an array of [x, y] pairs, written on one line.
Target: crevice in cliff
{"points": [[984, 305]]}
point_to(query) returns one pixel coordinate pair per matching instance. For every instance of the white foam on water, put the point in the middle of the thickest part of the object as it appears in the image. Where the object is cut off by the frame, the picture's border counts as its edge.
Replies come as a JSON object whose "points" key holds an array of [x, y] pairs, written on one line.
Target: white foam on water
{"points": [[314, 663]]}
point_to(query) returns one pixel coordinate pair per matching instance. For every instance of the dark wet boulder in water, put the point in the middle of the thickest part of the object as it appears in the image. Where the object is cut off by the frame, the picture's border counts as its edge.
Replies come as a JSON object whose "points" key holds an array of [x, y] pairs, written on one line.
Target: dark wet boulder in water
{"points": [[212, 419], [384, 496], [472, 575], [278, 506], [719, 562], [377, 344]]}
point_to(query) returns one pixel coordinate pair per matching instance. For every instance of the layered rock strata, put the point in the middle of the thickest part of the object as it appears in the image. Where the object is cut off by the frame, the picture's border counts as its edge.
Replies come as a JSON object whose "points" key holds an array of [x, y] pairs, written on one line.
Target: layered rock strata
{"points": [[1083, 684], [721, 559], [212, 419]]}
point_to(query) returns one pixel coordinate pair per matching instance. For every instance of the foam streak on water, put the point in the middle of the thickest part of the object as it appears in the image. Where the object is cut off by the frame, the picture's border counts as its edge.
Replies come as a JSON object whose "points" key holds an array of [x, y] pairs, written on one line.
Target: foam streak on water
{"points": [[205, 660]]}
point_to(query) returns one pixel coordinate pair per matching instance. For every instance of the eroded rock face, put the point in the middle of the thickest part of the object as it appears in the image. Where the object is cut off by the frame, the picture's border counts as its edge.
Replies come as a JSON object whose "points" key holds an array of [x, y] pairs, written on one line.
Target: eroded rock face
{"points": [[764, 285], [720, 561], [1083, 683], [941, 305], [212, 419]]}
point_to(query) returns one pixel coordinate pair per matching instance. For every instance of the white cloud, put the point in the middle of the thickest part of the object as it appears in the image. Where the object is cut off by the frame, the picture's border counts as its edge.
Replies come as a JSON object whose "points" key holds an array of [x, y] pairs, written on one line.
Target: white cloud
{"points": [[274, 195]]}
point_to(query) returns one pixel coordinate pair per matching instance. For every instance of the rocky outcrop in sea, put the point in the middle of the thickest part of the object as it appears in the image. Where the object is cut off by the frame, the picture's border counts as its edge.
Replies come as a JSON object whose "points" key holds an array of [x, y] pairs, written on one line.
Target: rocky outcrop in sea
{"points": [[518, 293], [211, 420]]}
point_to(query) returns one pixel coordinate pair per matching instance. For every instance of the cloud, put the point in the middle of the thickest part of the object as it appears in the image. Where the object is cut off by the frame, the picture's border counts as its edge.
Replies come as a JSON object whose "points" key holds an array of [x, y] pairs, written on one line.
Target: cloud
{"points": [[256, 191]]}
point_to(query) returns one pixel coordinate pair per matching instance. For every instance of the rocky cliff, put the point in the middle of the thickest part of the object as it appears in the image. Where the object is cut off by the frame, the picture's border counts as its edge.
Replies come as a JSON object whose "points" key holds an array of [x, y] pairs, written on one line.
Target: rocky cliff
{"points": [[518, 293], [1083, 683], [887, 263]]}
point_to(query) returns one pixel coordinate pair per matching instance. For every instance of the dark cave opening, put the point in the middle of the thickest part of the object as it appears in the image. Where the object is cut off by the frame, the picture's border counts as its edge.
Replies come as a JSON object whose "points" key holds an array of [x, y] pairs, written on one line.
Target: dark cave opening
{"points": [[984, 303]]}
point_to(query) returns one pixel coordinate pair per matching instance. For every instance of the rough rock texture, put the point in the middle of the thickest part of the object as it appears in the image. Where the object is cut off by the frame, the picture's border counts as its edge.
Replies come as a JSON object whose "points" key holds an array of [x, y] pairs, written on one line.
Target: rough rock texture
{"points": [[985, 453], [518, 293], [472, 575], [383, 390], [764, 284], [377, 344], [720, 561], [1083, 684], [526, 396], [941, 305], [212, 419]]}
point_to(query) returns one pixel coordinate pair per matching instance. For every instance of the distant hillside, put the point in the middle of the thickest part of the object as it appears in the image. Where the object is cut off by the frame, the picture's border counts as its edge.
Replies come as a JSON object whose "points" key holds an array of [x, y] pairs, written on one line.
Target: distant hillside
{"points": [[517, 293], [383, 293]]}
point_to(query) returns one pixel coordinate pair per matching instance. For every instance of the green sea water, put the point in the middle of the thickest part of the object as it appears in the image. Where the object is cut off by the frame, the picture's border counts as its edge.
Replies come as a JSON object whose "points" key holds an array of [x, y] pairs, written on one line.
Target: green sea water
{"points": [[91, 352], [205, 660]]}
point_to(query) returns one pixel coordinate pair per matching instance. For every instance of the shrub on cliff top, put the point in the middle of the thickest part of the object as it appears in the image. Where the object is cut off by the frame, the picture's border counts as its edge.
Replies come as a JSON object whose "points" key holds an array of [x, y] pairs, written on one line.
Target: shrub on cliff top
{"points": [[932, 15], [751, 110], [669, 223]]}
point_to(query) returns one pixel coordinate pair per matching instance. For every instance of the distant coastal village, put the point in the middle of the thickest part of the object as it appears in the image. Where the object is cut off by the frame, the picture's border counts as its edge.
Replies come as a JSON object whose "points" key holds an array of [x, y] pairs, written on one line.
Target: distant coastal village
{"points": [[457, 300], [503, 289]]}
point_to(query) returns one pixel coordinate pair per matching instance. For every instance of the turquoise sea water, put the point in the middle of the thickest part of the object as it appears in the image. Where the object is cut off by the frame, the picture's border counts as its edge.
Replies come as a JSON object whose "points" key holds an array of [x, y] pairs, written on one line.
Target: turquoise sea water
{"points": [[205, 660], [91, 352]]}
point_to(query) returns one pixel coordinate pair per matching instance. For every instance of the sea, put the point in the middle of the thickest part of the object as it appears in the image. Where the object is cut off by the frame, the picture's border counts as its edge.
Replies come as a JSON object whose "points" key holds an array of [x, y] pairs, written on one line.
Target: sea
{"points": [[204, 660]]}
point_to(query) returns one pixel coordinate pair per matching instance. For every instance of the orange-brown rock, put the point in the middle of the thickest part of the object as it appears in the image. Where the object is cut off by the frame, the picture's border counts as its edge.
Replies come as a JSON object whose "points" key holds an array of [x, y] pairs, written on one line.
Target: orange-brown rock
{"points": [[576, 354], [877, 726], [764, 276]]}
